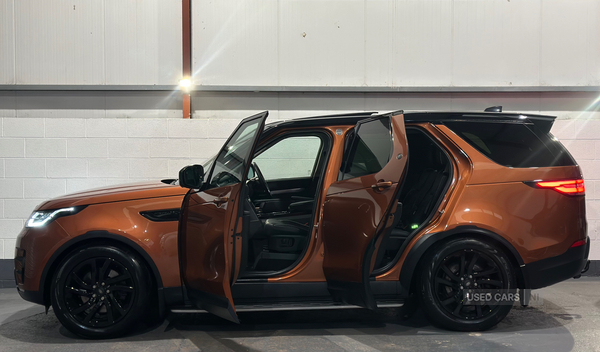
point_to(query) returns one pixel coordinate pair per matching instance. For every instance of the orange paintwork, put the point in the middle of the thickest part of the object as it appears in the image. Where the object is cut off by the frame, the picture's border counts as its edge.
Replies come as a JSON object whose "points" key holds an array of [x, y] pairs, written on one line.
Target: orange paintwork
{"points": [[481, 193], [538, 223], [353, 212], [158, 239], [206, 255]]}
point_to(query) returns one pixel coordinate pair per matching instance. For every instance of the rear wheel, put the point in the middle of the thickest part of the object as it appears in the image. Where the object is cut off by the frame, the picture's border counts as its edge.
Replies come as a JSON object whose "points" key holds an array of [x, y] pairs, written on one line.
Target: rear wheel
{"points": [[459, 266], [101, 292]]}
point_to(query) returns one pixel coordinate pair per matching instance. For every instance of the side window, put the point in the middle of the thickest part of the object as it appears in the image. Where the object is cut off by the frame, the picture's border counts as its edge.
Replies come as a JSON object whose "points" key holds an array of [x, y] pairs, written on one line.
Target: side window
{"points": [[292, 157], [369, 150], [512, 144]]}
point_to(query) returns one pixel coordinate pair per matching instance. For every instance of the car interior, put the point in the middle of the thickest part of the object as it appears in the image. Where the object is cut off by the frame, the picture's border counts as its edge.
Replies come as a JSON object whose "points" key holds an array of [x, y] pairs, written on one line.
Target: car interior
{"points": [[284, 180], [283, 188], [427, 179]]}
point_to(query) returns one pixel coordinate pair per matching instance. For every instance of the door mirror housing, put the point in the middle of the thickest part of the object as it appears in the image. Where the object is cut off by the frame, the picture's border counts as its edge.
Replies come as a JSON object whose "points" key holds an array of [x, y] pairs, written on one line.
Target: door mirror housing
{"points": [[191, 176]]}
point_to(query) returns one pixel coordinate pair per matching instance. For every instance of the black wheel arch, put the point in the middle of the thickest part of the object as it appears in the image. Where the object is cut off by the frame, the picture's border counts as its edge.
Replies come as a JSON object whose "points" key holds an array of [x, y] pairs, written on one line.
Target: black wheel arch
{"points": [[91, 238], [413, 259]]}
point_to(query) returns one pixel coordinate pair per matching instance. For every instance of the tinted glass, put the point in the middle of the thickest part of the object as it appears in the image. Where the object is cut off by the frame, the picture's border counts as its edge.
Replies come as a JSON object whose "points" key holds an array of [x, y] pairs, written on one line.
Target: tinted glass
{"points": [[512, 144], [230, 163], [370, 149], [292, 157]]}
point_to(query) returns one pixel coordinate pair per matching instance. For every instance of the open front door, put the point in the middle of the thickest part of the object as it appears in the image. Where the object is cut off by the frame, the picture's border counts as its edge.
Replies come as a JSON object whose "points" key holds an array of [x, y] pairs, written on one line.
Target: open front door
{"points": [[360, 205], [209, 227]]}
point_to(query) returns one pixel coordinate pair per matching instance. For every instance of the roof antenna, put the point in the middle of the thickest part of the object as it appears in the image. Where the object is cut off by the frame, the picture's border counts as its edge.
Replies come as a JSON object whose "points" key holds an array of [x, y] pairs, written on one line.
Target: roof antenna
{"points": [[497, 108]]}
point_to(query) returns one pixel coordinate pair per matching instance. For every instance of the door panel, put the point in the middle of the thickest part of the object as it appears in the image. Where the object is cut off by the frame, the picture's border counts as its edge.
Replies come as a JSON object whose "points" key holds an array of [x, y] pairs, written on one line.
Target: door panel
{"points": [[205, 257], [209, 228], [356, 212]]}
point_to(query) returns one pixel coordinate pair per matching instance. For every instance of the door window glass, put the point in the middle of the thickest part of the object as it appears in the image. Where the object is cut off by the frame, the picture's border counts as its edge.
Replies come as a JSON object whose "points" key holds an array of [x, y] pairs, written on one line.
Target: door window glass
{"points": [[230, 163], [370, 150], [292, 157]]}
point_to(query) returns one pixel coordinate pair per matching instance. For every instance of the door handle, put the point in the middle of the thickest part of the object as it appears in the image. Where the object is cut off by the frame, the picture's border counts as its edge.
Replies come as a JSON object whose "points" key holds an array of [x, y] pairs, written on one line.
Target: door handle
{"points": [[220, 200], [381, 185]]}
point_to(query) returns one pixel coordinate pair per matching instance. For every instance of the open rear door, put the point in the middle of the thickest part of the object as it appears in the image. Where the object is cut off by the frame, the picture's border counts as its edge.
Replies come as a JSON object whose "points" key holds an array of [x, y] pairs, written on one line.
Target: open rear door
{"points": [[360, 205], [209, 224]]}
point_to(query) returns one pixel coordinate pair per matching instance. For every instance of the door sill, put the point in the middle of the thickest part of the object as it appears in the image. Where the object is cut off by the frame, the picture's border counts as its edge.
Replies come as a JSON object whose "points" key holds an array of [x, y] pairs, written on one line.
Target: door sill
{"points": [[292, 306]]}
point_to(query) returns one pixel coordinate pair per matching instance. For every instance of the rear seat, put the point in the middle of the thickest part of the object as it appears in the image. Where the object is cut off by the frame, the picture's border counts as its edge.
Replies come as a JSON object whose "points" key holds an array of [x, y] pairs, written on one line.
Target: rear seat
{"points": [[425, 179]]}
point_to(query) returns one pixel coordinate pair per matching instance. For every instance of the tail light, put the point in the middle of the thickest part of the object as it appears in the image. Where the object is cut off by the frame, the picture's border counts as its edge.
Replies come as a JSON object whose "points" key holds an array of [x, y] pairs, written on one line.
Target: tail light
{"points": [[579, 243], [568, 187]]}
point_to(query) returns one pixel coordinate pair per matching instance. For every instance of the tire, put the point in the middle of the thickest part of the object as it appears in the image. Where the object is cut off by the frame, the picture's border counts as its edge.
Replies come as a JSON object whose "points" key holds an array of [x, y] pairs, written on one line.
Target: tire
{"points": [[109, 305], [441, 294]]}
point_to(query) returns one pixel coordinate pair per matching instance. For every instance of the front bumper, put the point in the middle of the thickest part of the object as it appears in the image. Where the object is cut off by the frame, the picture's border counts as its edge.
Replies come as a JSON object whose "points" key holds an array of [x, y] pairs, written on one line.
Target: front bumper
{"points": [[552, 270], [32, 296]]}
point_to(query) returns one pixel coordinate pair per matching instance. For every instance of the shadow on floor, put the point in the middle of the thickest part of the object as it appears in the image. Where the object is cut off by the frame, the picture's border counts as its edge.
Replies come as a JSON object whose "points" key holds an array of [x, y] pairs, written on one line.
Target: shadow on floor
{"points": [[328, 330]]}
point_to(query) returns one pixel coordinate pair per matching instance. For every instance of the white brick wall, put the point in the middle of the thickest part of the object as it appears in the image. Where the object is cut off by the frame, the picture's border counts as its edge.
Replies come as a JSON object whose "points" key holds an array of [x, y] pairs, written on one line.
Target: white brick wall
{"points": [[49, 153], [45, 157], [581, 135]]}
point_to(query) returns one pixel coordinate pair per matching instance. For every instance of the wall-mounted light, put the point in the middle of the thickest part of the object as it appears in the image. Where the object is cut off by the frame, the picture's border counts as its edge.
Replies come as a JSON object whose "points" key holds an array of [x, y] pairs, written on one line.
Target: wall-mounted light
{"points": [[185, 84]]}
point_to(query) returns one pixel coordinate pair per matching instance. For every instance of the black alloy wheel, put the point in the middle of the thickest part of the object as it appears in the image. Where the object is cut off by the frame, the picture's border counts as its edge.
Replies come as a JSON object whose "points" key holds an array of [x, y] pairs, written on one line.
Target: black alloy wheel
{"points": [[465, 266], [101, 292], [467, 270]]}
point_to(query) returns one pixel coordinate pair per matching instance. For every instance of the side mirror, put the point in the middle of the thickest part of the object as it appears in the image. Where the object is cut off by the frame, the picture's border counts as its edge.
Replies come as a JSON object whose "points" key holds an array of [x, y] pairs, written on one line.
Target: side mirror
{"points": [[191, 176]]}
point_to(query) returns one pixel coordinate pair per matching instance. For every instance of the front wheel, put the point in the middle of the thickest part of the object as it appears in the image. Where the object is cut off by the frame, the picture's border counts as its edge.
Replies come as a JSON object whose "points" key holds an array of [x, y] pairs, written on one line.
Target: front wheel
{"points": [[101, 292], [459, 266]]}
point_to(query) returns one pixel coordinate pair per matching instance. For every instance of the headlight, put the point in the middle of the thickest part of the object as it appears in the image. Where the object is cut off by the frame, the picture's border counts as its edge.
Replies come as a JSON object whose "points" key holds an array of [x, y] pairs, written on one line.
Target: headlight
{"points": [[43, 217]]}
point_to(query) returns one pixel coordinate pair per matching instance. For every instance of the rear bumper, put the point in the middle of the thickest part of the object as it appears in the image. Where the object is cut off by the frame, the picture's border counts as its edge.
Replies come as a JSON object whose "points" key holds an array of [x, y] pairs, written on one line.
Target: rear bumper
{"points": [[549, 271]]}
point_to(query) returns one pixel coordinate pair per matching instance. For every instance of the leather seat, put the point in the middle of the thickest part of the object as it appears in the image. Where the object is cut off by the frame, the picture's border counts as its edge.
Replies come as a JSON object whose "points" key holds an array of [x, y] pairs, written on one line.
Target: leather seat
{"points": [[287, 235]]}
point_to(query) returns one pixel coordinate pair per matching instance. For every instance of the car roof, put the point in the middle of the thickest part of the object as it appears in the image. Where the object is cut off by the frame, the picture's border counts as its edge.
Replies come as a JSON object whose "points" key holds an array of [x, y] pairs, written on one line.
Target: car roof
{"points": [[542, 121]]}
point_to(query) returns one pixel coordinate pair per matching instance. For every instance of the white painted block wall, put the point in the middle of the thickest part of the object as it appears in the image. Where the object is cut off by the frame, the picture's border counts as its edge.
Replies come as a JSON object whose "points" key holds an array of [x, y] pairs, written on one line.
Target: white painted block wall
{"points": [[44, 155]]}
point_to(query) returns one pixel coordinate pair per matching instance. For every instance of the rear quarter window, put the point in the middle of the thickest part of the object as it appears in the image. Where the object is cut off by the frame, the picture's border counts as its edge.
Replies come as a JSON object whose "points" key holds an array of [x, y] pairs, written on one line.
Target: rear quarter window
{"points": [[512, 144]]}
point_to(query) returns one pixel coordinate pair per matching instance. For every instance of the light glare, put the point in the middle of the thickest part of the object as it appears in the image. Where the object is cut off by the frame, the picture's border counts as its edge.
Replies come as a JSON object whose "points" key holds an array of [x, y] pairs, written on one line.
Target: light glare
{"points": [[185, 83]]}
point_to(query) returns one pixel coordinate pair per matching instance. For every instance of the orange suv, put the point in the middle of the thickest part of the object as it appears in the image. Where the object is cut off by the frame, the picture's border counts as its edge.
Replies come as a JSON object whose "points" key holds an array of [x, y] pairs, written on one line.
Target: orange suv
{"points": [[324, 212]]}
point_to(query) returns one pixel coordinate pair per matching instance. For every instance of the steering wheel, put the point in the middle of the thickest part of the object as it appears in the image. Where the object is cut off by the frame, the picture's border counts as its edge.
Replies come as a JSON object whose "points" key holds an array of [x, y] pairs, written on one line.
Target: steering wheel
{"points": [[261, 179]]}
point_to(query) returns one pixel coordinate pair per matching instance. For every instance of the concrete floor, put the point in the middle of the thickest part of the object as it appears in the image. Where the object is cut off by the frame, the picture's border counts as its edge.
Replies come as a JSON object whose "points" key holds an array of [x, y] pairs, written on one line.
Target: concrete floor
{"points": [[568, 320]]}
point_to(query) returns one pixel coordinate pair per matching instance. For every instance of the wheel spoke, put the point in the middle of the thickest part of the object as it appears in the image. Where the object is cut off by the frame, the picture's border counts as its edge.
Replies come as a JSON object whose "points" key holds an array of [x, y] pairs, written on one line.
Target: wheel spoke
{"points": [[450, 274], [91, 314], [479, 312], [81, 282], [104, 268], [116, 304], [80, 309], [448, 301], [486, 273], [472, 263], [109, 312], [122, 288], [79, 291], [462, 263], [114, 280], [94, 271], [491, 282], [444, 282], [458, 308]]}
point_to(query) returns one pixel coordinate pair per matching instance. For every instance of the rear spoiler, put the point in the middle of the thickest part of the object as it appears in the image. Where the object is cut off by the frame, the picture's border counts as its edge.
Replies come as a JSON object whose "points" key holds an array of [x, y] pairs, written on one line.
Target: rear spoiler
{"points": [[542, 122]]}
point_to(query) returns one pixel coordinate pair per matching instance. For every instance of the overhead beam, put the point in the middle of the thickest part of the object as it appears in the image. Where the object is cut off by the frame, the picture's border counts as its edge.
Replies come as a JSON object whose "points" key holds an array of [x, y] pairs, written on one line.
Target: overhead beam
{"points": [[326, 89]]}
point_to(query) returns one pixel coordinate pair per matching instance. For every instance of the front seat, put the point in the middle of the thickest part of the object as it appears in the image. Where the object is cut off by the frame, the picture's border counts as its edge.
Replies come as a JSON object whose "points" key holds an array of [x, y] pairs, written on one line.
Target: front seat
{"points": [[288, 234]]}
